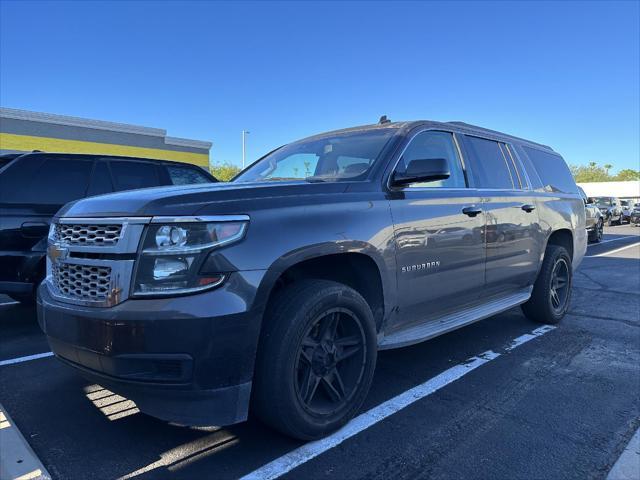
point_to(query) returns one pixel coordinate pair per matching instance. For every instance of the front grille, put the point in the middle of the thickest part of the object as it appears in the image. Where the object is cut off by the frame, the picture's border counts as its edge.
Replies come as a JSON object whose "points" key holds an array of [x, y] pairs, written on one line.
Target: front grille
{"points": [[86, 234], [83, 282]]}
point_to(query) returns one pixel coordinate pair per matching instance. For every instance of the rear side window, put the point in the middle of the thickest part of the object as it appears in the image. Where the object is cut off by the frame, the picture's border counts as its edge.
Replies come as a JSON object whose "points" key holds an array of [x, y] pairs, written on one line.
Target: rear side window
{"points": [[100, 180], [552, 170], [489, 167], [133, 175], [186, 176], [56, 182]]}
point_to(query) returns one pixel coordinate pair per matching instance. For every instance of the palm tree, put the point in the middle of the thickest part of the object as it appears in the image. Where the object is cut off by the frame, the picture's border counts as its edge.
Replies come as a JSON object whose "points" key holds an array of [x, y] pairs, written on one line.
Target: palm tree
{"points": [[607, 167]]}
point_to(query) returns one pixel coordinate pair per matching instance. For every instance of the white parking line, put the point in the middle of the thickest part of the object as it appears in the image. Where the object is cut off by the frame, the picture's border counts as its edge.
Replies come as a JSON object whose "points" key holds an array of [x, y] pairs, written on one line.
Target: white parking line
{"points": [[10, 302], [607, 241], [300, 455], [613, 251], [25, 359]]}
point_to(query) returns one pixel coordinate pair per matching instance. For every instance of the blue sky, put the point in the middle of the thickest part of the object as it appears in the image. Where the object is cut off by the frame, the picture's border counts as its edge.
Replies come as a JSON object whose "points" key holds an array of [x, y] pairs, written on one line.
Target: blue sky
{"points": [[564, 74]]}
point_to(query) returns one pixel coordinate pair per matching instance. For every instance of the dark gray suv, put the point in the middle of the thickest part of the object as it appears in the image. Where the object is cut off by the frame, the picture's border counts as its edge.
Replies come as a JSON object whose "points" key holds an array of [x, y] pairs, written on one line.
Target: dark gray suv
{"points": [[276, 291]]}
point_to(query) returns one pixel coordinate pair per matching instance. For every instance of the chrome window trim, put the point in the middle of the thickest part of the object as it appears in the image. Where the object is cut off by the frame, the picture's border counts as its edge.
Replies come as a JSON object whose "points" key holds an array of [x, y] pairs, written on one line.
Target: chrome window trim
{"points": [[499, 142], [201, 218]]}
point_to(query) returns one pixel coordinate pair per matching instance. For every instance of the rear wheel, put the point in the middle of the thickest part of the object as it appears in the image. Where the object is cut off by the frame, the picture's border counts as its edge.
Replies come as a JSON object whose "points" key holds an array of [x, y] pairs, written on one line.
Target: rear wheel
{"points": [[552, 290], [316, 359]]}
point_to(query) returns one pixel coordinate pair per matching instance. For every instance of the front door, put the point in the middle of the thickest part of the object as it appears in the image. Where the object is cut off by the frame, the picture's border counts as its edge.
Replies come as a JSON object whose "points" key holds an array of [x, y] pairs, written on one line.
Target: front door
{"points": [[440, 250]]}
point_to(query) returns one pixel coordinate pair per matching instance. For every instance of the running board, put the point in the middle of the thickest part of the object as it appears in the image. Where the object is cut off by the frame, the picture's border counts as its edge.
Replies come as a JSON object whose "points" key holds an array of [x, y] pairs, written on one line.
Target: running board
{"points": [[452, 321]]}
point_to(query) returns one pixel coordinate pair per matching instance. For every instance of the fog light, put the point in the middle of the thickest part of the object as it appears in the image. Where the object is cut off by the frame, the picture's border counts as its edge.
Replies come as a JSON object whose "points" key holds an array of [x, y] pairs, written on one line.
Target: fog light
{"points": [[166, 267]]}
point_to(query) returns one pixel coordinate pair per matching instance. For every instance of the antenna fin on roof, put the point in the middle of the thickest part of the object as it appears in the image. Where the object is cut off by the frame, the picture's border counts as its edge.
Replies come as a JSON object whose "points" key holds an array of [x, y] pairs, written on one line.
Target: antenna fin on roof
{"points": [[383, 120]]}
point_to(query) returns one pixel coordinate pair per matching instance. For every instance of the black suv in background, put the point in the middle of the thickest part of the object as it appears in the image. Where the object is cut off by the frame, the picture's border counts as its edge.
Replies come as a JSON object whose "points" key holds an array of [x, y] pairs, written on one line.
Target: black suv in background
{"points": [[34, 186]]}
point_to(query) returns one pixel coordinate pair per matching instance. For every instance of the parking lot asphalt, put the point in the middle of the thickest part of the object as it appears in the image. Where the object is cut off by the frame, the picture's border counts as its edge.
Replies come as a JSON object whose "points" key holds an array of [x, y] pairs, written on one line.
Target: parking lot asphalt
{"points": [[562, 405]]}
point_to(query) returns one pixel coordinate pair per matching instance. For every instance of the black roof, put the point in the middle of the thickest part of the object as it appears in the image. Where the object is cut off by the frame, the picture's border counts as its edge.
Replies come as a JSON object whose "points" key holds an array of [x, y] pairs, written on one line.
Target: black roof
{"points": [[463, 127]]}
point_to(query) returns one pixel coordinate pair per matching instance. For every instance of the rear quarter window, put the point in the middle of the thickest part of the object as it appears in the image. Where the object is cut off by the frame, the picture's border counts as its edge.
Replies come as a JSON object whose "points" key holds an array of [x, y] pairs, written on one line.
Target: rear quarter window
{"points": [[186, 175], [552, 170]]}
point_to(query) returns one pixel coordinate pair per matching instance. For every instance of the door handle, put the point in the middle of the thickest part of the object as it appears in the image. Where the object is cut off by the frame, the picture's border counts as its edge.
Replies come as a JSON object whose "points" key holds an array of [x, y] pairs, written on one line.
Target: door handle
{"points": [[528, 208], [34, 229], [472, 211]]}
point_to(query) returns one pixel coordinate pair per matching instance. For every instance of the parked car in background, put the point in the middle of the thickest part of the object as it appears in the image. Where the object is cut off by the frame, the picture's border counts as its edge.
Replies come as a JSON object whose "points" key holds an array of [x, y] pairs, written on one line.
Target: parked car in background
{"points": [[635, 215], [34, 186], [275, 291], [594, 218], [611, 208], [627, 208]]}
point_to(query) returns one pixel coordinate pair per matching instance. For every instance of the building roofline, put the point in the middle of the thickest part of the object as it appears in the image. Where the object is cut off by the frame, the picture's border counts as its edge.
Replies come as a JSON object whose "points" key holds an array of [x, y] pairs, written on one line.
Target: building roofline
{"points": [[66, 120]]}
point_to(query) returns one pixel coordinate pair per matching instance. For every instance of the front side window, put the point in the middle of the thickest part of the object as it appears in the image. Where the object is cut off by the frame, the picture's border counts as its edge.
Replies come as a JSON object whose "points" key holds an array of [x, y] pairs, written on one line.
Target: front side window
{"points": [[341, 156], [433, 144], [489, 167]]}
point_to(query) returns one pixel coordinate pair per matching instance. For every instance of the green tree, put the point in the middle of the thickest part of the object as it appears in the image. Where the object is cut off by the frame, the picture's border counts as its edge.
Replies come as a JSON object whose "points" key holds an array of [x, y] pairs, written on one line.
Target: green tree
{"points": [[224, 171], [627, 174], [608, 167], [590, 173]]}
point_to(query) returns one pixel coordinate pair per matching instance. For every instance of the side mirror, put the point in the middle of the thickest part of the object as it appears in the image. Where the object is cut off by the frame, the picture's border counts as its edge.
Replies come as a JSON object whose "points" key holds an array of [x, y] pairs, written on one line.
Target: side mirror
{"points": [[423, 170], [590, 200]]}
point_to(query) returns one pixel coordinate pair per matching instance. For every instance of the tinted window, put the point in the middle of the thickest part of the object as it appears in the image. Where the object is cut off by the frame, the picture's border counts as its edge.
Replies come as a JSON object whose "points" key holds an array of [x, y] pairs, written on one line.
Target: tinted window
{"points": [[56, 182], [186, 176], [489, 168], [552, 170], [431, 144], [132, 175], [100, 180]]}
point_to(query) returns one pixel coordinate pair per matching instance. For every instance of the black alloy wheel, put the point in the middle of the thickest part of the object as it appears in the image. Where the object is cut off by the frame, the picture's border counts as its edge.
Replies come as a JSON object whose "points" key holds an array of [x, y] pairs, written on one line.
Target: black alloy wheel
{"points": [[331, 362], [316, 358], [559, 287]]}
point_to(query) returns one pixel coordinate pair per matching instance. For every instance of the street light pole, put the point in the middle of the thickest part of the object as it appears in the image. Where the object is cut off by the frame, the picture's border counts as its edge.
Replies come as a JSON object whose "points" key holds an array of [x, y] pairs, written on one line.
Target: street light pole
{"points": [[244, 134]]}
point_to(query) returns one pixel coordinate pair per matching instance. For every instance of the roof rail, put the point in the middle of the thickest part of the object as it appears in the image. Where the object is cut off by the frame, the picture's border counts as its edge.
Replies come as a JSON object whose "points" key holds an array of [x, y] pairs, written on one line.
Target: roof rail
{"points": [[495, 132]]}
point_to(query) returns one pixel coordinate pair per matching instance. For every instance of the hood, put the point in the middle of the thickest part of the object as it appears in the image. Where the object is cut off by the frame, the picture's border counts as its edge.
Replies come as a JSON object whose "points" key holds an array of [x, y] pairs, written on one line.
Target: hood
{"points": [[189, 200]]}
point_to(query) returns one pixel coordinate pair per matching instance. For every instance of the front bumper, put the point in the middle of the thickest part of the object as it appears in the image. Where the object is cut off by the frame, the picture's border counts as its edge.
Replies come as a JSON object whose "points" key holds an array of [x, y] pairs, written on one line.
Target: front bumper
{"points": [[184, 359]]}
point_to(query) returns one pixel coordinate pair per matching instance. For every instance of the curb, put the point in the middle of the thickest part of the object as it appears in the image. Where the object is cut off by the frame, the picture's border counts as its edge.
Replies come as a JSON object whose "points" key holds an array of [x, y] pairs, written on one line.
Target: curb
{"points": [[628, 465], [17, 459]]}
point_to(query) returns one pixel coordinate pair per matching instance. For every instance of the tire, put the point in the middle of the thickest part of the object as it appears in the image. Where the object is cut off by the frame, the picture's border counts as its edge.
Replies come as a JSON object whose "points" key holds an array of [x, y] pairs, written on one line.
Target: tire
{"points": [[599, 232], [609, 222], [301, 388], [542, 306]]}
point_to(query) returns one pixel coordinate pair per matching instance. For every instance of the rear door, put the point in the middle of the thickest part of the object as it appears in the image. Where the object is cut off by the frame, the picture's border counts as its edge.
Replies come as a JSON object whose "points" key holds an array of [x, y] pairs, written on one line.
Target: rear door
{"points": [[32, 190], [440, 251], [513, 233]]}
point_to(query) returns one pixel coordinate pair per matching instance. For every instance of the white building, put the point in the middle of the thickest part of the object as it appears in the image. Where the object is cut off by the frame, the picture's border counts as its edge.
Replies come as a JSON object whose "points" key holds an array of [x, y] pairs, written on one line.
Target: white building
{"points": [[629, 189]]}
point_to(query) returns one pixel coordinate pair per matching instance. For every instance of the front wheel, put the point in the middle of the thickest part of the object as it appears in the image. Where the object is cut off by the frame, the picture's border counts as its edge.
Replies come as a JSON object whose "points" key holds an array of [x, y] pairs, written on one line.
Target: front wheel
{"points": [[316, 359], [599, 232], [552, 290]]}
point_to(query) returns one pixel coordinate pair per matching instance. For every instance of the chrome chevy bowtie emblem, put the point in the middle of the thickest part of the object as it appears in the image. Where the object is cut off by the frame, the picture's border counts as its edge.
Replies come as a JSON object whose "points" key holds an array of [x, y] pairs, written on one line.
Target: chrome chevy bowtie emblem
{"points": [[57, 253]]}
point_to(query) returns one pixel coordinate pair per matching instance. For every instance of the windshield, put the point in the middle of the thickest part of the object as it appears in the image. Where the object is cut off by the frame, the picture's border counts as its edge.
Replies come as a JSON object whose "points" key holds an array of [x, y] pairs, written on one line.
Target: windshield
{"points": [[339, 157], [603, 201]]}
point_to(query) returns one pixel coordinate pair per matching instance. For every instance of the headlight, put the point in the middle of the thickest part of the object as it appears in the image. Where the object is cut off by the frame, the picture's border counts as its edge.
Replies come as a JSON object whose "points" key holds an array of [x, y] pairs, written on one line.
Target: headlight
{"points": [[172, 254]]}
